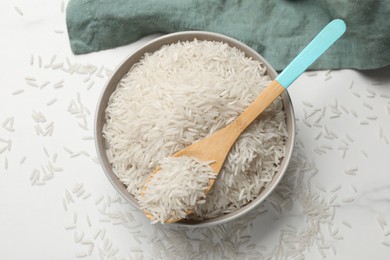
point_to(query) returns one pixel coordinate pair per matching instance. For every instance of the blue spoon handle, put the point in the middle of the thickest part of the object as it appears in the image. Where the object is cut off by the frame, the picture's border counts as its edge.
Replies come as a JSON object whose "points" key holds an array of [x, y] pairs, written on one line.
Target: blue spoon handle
{"points": [[311, 52]]}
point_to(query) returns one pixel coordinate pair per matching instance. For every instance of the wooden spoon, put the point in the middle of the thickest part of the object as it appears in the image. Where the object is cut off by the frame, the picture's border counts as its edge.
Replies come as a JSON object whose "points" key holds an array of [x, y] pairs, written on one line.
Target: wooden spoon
{"points": [[217, 146]]}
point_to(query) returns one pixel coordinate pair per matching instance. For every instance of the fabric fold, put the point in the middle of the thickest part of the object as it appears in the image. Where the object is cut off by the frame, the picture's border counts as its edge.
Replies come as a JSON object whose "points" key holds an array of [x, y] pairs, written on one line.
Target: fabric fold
{"points": [[278, 29]]}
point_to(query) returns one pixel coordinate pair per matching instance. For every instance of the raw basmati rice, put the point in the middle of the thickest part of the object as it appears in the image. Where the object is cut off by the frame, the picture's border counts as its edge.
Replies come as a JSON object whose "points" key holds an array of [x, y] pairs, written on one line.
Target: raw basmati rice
{"points": [[351, 84], [328, 78], [376, 83], [6, 162], [367, 105], [88, 220], [308, 104], [44, 84], [8, 124], [355, 93], [23, 159], [347, 224], [386, 243], [67, 227], [182, 93], [17, 9], [347, 200], [51, 101], [18, 91], [381, 221], [176, 188]]}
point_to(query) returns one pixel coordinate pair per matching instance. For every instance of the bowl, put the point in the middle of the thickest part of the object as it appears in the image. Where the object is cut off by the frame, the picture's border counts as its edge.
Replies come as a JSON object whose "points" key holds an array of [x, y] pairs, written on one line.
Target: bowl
{"points": [[152, 46]]}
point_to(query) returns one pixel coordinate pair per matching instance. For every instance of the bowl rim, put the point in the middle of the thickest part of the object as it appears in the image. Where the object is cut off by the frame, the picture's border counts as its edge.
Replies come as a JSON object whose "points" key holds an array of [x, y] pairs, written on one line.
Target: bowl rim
{"points": [[153, 45]]}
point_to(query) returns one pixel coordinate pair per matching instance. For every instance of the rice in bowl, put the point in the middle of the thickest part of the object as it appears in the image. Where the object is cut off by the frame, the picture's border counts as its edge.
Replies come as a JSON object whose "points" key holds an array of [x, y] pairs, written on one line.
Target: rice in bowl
{"points": [[183, 92]]}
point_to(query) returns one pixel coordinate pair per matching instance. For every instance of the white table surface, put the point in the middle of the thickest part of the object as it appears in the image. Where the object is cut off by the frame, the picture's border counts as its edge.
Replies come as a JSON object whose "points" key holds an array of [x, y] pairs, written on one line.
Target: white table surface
{"points": [[56, 202]]}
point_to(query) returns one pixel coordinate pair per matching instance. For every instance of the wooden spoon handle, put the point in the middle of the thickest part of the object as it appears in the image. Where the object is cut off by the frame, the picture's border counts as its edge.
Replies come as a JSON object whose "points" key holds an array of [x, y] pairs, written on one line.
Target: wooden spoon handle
{"points": [[266, 97]]}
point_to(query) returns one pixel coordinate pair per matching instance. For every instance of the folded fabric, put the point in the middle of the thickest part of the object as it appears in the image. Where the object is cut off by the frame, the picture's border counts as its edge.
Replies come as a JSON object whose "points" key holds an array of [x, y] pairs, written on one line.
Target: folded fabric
{"points": [[276, 29]]}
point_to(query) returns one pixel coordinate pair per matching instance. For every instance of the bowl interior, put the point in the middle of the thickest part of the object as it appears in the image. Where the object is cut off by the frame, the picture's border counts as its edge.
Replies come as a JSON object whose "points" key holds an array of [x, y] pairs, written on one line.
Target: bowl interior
{"points": [[153, 46]]}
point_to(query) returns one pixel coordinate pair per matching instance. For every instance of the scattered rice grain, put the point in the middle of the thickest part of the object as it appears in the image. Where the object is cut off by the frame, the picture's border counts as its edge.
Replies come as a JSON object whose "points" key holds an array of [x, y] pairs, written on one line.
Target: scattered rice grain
{"points": [[23, 159], [77, 238], [347, 224], [69, 227], [349, 138], [381, 221], [318, 136], [87, 138], [371, 91], [328, 147], [81, 254], [46, 152], [332, 199], [320, 187], [319, 151], [355, 93], [98, 200], [351, 84], [6, 162], [385, 139], [364, 153], [306, 122], [376, 83], [86, 196], [64, 205], [51, 102], [31, 59], [386, 243], [17, 9], [344, 109], [328, 78], [68, 150], [353, 112], [90, 84], [336, 188], [308, 104], [88, 220], [367, 105], [30, 78], [18, 91], [33, 84]]}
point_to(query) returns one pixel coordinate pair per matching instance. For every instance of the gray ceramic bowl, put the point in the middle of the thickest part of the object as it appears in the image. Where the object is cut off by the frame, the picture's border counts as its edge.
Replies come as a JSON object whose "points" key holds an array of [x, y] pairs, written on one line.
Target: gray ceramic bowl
{"points": [[153, 46]]}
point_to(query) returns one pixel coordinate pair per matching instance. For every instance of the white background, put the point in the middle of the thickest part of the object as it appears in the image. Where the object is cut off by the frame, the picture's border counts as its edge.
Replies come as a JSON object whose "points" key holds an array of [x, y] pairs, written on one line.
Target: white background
{"points": [[75, 213]]}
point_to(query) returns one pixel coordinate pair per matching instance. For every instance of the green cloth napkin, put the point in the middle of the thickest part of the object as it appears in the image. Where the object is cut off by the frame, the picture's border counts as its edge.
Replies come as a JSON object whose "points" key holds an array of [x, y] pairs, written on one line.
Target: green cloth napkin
{"points": [[277, 29]]}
